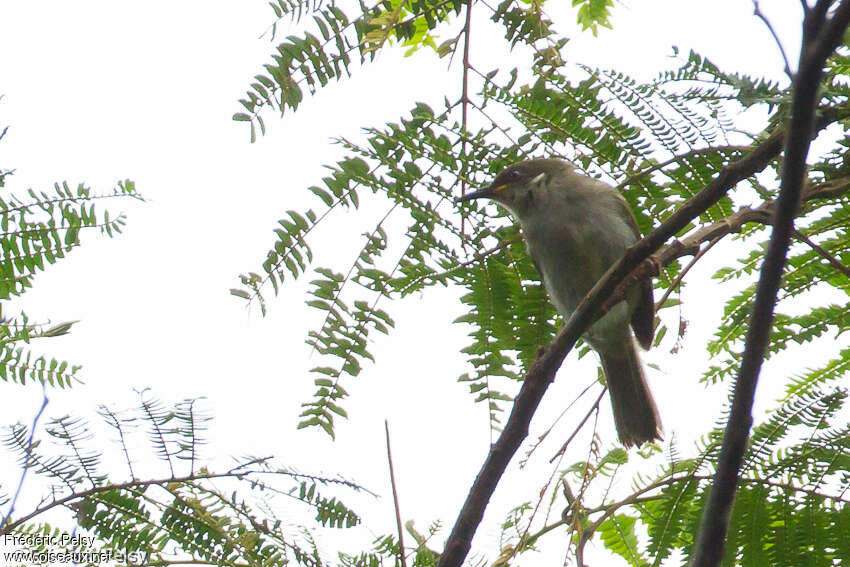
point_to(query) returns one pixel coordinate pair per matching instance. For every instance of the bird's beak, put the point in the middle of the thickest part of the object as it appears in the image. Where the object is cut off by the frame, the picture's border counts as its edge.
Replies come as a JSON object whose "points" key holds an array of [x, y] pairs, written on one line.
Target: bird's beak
{"points": [[481, 193]]}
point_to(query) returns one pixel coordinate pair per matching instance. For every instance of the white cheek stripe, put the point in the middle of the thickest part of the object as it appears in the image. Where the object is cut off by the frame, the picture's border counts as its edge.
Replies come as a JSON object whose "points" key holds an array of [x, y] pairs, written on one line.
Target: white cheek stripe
{"points": [[538, 179]]}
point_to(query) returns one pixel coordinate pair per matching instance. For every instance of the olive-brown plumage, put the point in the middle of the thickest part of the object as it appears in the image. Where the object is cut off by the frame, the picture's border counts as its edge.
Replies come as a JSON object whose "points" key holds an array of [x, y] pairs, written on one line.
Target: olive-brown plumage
{"points": [[575, 228]]}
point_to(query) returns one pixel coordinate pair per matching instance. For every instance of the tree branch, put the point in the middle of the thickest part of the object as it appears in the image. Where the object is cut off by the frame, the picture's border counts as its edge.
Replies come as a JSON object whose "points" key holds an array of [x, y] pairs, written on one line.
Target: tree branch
{"points": [[818, 43], [10, 526]]}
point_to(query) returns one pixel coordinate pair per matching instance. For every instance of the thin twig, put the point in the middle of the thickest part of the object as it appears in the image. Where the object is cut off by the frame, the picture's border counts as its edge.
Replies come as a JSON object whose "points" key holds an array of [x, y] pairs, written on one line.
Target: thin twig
{"points": [[464, 105], [564, 412], [760, 15], [401, 557], [483, 255], [681, 275], [30, 442], [678, 158], [592, 409], [833, 261], [583, 534]]}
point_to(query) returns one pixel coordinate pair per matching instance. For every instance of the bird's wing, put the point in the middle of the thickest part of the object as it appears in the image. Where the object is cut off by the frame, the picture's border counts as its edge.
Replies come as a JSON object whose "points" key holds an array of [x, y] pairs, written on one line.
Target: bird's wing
{"points": [[643, 316], [628, 215]]}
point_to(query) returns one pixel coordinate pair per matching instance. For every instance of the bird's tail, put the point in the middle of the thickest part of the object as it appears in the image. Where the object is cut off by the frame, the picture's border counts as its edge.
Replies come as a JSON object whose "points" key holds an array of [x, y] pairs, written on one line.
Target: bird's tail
{"points": [[635, 414]]}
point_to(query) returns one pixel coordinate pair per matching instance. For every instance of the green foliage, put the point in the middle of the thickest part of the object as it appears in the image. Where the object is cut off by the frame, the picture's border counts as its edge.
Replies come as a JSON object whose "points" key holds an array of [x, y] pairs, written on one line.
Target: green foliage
{"points": [[386, 551], [789, 497], [18, 364], [336, 38], [188, 506], [618, 535], [807, 271], [39, 230]]}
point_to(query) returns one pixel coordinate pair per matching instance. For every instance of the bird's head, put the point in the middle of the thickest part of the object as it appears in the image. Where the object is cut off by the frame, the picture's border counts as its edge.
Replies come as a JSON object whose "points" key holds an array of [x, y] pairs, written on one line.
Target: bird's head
{"points": [[522, 187]]}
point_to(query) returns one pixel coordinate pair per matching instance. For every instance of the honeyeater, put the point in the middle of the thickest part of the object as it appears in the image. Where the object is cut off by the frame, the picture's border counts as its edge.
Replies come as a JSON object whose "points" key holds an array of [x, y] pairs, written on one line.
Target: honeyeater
{"points": [[575, 228]]}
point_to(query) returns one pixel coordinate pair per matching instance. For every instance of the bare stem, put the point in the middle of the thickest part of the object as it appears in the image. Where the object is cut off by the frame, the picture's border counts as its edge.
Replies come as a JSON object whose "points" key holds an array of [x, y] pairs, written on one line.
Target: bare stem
{"points": [[401, 556], [760, 15]]}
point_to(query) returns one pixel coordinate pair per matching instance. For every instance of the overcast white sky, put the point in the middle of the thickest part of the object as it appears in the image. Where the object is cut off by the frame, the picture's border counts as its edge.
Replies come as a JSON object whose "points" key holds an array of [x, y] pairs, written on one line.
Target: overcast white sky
{"points": [[99, 91]]}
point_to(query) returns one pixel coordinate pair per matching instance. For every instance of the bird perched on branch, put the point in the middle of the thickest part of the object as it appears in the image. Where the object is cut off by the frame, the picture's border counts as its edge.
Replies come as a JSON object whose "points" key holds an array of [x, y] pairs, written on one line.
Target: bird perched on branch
{"points": [[575, 228]]}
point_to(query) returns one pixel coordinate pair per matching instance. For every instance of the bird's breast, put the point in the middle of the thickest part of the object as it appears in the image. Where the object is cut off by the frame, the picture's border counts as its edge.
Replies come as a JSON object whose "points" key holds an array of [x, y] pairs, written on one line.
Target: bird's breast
{"points": [[571, 255], [567, 261]]}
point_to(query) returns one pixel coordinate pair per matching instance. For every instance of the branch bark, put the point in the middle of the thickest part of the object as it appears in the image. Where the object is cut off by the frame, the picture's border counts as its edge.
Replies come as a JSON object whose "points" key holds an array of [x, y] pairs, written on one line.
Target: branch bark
{"points": [[819, 41]]}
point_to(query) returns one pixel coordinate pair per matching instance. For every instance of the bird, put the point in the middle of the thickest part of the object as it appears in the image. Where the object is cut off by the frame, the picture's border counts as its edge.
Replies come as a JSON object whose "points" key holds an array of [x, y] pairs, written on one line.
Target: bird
{"points": [[575, 227]]}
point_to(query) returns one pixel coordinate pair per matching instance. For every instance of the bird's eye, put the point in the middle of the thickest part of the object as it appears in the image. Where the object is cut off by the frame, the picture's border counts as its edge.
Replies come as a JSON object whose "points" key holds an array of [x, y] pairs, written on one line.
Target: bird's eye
{"points": [[512, 175]]}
